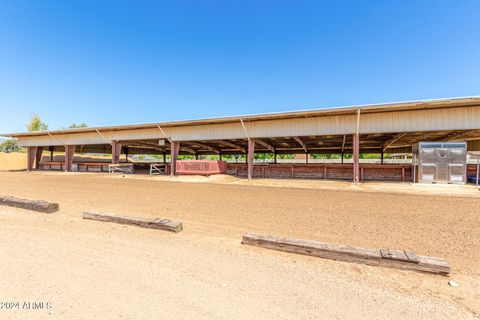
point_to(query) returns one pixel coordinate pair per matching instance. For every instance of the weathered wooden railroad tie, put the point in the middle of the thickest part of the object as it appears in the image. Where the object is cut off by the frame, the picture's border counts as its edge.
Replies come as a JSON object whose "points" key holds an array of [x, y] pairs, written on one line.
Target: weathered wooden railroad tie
{"points": [[158, 223], [376, 257], [35, 205]]}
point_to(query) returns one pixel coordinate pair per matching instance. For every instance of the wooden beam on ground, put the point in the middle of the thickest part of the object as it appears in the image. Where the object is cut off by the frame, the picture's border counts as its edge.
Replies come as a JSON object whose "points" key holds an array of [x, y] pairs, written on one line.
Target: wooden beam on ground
{"points": [[394, 139], [383, 257], [35, 205], [158, 223], [266, 145], [301, 143]]}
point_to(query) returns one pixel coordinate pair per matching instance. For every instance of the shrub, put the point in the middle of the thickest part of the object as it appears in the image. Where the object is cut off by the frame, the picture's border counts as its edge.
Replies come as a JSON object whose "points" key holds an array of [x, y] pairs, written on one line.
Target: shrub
{"points": [[9, 146]]}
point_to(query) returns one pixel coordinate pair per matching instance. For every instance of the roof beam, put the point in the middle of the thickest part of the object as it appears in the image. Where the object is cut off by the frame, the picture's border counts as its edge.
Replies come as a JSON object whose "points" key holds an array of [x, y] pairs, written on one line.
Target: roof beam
{"points": [[312, 150], [301, 143], [189, 150], [244, 128], [138, 144], [394, 139], [163, 132], [145, 143], [101, 135], [266, 145], [343, 143], [56, 139], [316, 148], [232, 145], [207, 147], [459, 135]]}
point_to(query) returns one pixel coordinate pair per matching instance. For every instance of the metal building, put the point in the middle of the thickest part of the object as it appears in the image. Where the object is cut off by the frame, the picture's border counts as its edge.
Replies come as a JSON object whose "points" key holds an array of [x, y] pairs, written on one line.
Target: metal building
{"points": [[380, 128]]}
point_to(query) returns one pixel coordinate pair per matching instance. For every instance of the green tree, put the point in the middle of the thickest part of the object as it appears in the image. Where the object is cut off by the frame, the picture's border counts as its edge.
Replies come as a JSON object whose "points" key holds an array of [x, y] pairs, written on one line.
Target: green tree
{"points": [[9, 146], [286, 156], [263, 156], [186, 157], [326, 156], [36, 124], [80, 125], [369, 156]]}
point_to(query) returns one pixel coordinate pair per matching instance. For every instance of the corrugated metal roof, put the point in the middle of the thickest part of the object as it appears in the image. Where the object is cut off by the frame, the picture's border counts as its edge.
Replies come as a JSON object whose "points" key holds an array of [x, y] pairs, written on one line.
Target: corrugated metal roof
{"points": [[370, 108]]}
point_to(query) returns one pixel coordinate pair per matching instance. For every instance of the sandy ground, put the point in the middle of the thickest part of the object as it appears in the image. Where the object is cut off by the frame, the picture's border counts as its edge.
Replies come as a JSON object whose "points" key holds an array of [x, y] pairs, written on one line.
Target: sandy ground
{"points": [[468, 190], [88, 269]]}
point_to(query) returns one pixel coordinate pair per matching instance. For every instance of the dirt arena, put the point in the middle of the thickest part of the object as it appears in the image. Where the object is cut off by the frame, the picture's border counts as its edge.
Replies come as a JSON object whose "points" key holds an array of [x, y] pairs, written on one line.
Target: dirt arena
{"points": [[88, 269]]}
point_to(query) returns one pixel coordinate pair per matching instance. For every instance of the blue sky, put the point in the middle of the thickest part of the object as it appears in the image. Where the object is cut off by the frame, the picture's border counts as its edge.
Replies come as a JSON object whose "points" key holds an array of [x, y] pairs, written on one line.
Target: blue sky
{"points": [[120, 62]]}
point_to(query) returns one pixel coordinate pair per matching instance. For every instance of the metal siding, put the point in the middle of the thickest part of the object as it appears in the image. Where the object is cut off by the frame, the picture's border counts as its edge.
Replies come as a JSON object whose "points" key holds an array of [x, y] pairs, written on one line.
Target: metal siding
{"points": [[268, 128], [136, 134], [208, 132], [92, 137], [344, 124], [421, 120], [399, 121], [388, 107]]}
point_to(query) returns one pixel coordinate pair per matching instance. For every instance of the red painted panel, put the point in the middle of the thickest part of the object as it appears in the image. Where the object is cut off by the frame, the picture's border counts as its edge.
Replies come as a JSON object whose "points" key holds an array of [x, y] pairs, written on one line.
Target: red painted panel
{"points": [[389, 172], [201, 167]]}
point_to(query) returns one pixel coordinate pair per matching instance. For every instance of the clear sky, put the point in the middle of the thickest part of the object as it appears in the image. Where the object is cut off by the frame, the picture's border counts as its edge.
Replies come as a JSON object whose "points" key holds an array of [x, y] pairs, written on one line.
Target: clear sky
{"points": [[120, 62]]}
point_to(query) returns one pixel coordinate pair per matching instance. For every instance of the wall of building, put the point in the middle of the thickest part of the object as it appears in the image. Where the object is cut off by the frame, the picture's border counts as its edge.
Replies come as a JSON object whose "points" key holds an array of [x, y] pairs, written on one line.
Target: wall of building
{"points": [[459, 118]]}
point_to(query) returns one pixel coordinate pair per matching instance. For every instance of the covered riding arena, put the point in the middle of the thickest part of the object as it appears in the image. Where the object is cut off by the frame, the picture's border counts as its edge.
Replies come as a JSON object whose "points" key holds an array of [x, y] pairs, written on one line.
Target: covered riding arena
{"points": [[348, 132]]}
